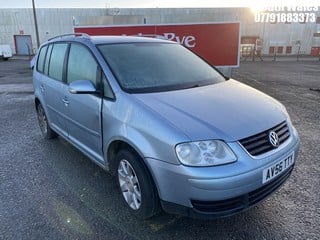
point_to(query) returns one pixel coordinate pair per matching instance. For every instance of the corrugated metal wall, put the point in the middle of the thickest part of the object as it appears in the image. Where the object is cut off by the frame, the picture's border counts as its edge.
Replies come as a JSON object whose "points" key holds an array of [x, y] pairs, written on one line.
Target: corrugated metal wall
{"points": [[53, 22]]}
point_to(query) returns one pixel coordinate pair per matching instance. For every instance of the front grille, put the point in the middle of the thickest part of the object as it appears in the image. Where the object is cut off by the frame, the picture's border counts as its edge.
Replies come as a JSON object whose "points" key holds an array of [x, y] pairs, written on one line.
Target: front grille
{"points": [[238, 204], [259, 143]]}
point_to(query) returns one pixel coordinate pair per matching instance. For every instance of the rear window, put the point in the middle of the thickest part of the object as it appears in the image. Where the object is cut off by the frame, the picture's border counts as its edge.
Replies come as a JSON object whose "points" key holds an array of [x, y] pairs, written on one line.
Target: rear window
{"points": [[57, 60], [154, 67], [41, 58], [46, 63]]}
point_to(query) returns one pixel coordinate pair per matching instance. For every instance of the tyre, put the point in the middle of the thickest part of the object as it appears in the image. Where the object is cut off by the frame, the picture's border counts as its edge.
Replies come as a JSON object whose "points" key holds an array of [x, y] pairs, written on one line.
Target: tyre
{"points": [[46, 131], [136, 185]]}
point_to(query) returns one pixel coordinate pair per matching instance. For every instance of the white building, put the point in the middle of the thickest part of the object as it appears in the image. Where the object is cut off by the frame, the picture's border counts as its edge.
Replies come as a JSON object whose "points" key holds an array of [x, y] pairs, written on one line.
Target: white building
{"points": [[279, 37]]}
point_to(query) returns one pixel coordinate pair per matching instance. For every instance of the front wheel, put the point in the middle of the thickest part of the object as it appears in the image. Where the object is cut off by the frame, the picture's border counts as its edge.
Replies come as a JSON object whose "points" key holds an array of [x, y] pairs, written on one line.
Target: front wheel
{"points": [[136, 185], [46, 131]]}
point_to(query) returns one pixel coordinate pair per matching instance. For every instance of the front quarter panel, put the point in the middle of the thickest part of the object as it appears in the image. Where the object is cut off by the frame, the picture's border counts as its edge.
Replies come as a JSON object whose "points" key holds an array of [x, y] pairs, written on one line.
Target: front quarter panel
{"points": [[150, 135]]}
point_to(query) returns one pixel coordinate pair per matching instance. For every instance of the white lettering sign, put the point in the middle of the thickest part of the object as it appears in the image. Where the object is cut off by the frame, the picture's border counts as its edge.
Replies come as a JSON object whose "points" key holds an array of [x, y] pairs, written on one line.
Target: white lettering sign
{"points": [[188, 41]]}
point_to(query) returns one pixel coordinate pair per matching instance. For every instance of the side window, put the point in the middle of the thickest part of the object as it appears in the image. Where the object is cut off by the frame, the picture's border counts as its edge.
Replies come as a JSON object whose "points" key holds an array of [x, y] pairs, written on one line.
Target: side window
{"points": [[57, 60], [46, 63], [81, 65], [41, 57]]}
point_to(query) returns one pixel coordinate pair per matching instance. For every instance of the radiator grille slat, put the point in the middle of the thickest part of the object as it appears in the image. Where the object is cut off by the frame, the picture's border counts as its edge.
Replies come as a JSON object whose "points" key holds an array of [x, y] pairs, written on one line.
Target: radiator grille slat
{"points": [[259, 143]]}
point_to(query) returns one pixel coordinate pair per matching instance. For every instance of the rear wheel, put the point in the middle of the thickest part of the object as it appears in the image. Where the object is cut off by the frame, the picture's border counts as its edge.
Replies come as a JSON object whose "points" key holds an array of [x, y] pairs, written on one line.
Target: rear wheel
{"points": [[46, 131], [136, 185]]}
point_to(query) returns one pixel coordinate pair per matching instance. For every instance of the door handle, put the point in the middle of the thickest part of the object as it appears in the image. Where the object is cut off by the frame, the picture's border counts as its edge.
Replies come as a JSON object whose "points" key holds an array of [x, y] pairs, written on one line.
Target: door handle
{"points": [[65, 101], [41, 88]]}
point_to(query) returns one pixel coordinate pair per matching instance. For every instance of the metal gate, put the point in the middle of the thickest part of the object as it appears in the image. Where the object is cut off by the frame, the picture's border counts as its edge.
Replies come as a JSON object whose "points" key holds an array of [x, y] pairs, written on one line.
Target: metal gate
{"points": [[23, 44]]}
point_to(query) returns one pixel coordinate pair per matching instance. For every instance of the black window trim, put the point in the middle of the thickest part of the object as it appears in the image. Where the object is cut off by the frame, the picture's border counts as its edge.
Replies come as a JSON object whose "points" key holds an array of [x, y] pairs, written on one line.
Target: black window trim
{"points": [[102, 77], [65, 64]]}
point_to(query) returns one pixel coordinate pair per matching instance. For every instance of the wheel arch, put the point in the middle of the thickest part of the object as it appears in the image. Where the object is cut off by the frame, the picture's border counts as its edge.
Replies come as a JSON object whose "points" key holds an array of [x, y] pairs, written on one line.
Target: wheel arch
{"points": [[152, 205], [37, 101], [114, 147]]}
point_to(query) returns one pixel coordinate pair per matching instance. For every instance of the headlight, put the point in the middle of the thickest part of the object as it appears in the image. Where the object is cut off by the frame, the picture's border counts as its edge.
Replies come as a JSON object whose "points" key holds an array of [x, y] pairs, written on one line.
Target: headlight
{"points": [[205, 153]]}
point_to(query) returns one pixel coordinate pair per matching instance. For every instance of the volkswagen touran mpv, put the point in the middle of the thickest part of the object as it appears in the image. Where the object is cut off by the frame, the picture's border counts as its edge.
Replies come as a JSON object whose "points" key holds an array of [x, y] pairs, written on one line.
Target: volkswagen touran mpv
{"points": [[176, 133]]}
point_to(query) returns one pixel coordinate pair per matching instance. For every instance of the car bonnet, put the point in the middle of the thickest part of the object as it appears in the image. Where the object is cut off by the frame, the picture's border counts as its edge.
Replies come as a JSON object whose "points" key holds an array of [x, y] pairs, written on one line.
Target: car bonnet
{"points": [[228, 110]]}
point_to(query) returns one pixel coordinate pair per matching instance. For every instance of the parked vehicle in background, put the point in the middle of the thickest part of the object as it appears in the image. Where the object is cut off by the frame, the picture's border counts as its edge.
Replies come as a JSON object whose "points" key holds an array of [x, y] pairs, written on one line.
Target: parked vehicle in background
{"points": [[175, 132], [5, 51]]}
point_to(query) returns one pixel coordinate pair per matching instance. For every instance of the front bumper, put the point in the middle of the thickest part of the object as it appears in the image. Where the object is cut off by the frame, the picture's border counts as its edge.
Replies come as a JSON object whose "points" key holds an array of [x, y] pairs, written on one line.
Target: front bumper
{"points": [[222, 190], [227, 207]]}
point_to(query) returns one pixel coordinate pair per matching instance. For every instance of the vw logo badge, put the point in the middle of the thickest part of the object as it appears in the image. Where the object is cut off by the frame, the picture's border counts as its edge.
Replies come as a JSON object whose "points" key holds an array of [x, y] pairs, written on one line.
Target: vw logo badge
{"points": [[274, 139]]}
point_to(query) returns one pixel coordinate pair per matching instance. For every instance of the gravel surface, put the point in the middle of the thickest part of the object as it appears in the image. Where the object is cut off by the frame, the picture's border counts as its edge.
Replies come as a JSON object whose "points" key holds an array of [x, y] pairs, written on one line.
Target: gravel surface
{"points": [[49, 190]]}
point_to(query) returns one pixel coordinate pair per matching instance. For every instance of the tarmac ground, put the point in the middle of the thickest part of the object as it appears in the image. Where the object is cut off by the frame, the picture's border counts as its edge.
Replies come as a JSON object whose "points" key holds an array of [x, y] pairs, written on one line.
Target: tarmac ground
{"points": [[50, 190]]}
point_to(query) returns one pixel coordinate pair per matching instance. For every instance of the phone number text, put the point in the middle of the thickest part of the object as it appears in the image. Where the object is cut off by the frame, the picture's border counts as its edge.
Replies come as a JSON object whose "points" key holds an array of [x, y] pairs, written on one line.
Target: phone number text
{"points": [[302, 17]]}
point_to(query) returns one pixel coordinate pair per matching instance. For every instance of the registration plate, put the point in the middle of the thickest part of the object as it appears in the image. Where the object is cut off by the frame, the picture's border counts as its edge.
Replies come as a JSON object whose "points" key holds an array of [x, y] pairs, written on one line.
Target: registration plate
{"points": [[277, 168]]}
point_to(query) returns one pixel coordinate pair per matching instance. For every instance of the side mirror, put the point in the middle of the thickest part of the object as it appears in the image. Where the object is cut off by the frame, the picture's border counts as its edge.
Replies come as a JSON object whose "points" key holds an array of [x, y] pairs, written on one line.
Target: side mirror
{"points": [[82, 87]]}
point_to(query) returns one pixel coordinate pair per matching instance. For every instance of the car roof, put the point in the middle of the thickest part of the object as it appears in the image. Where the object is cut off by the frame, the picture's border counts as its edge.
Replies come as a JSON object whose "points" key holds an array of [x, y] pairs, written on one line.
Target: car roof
{"points": [[124, 39], [108, 39]]}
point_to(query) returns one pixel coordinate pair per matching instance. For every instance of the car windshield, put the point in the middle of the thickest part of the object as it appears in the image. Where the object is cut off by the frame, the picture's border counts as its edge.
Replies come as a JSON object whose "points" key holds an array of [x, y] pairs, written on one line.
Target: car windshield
{"points": [[156, 67]]}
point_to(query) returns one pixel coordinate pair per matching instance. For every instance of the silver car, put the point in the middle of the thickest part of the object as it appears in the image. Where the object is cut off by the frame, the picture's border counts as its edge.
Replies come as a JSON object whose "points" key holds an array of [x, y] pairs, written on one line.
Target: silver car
{"points": [[176, 133]]}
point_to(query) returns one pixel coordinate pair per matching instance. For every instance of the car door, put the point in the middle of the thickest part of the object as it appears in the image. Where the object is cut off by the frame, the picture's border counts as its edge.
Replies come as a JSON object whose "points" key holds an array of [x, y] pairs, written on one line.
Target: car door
{"points": [[84, 110], [53, 87]]}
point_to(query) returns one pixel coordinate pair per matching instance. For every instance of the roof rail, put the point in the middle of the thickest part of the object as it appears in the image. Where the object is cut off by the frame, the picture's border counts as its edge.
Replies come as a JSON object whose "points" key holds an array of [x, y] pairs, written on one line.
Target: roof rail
{"points": [[158, 36], [71, 34]]}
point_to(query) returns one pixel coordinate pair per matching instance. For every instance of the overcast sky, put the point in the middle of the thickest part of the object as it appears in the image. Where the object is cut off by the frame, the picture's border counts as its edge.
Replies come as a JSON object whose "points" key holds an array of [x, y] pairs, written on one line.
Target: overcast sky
{"points": [[150, 3]]}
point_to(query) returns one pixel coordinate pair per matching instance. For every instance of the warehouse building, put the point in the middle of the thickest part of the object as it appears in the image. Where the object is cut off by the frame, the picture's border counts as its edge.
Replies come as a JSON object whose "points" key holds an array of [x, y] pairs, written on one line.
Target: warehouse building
{"points": [[275, 31]]}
